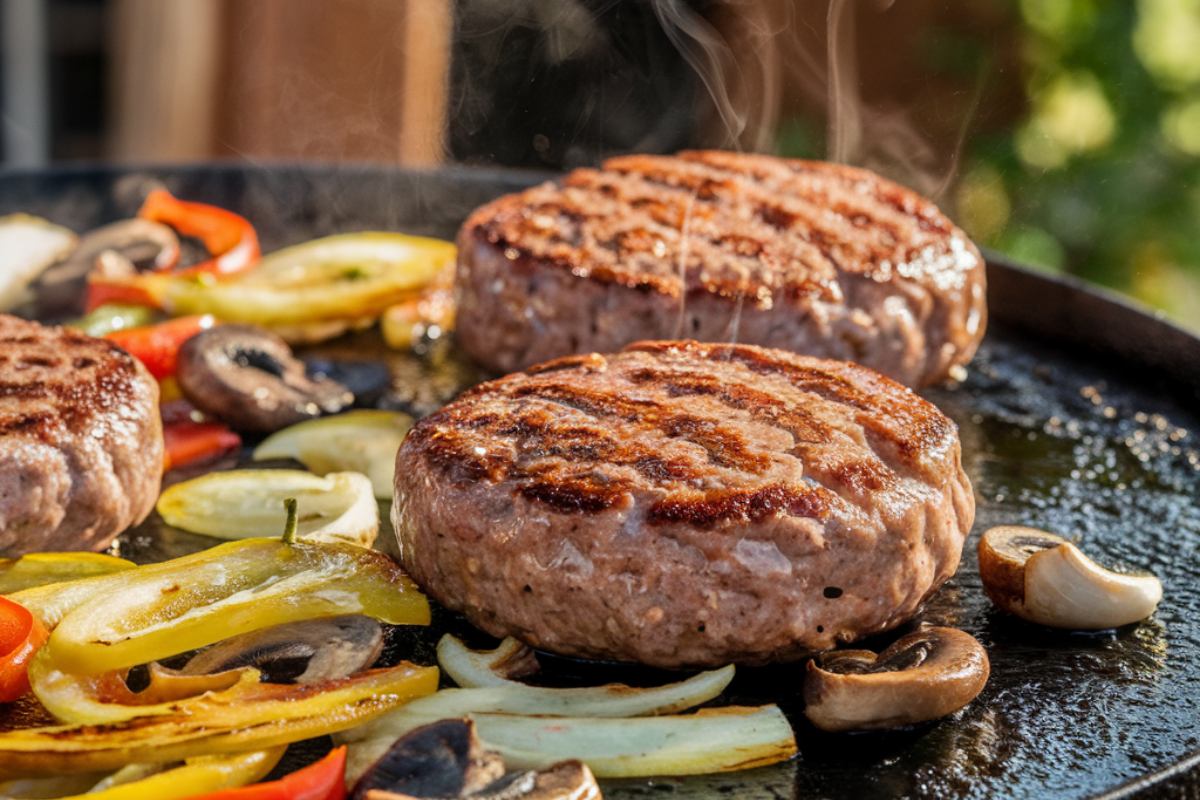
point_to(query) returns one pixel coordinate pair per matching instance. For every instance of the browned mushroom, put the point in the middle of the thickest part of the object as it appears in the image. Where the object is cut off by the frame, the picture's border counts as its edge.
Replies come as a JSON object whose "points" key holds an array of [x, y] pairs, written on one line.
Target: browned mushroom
{"points": [[922, 676], [441, 760], [297, 652], [1043, 578], [132, 243], [246, 377], [445, 760]]}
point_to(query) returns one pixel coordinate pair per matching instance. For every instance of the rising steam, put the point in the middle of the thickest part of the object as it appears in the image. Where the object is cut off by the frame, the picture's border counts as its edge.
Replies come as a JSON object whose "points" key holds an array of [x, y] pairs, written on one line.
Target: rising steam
{"points": [[756, 58]]}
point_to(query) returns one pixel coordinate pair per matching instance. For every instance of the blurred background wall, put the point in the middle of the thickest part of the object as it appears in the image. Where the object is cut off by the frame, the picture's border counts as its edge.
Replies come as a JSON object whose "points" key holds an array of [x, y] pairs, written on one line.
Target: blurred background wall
{"points": [[1063, 132]]}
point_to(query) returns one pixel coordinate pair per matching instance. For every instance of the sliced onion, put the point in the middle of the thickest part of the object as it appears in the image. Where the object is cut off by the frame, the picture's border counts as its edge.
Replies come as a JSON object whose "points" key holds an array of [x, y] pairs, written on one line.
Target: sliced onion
{"points": [[711, 740], [28, 245], [471, 669], [241, 504], [511, 697], [363, 441]]}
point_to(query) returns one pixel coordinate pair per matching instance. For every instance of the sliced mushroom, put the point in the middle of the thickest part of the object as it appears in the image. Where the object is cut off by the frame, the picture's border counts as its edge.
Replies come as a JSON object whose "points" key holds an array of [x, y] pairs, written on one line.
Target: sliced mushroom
{"points": [[446, 760], [297, 652], [134, 244], [922, 676], [441, 760], [247, 377], [1043, 578]]}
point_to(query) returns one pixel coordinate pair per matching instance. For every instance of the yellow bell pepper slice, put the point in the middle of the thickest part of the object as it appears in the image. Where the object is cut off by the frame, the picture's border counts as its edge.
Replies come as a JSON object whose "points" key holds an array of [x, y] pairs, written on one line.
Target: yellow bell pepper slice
{"points": [[353, 275], [269, 715], [42, 569], [196, 776], [138, 616]]}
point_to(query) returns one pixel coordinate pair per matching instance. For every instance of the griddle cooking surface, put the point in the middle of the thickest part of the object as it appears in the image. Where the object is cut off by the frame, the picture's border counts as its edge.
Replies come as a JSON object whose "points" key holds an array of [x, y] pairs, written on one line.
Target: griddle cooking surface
{"points": [[1097, 449]]}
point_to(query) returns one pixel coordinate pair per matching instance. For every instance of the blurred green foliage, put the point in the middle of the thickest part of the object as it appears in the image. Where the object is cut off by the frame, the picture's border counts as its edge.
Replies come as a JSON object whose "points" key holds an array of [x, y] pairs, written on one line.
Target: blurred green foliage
{"points": [[1100, 175], [1102, 179]]}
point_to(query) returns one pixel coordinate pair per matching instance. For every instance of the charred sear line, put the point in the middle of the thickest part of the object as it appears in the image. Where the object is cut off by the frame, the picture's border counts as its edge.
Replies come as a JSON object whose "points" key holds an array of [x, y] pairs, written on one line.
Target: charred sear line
{"points": [[863, 477], [725, 447], [742, 506], [598, 405], [578, 495]]}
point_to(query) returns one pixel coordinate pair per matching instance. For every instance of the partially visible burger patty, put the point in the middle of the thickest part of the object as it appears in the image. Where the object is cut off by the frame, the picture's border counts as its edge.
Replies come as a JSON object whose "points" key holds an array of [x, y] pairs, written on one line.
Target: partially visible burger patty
{"points": [[684, 505], [816, 258], [81, 446]]}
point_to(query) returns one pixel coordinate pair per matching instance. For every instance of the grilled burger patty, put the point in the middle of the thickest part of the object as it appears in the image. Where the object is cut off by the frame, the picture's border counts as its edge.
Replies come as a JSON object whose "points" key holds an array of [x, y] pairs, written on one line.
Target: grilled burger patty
{"points": [[81, 446], [811, 257], [684, 505]]}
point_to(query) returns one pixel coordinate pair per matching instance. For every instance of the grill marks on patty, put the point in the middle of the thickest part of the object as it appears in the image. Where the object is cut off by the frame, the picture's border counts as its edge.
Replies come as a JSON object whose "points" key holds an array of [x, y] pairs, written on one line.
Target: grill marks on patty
{"points": [[710, 433], [763, 228], [51, 384], [81, 447]]}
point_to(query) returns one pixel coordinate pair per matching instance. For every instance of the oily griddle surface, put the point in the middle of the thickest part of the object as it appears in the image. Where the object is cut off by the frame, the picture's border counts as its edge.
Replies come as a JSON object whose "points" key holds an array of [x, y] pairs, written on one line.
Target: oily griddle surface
{"points": [[1097, 449]]}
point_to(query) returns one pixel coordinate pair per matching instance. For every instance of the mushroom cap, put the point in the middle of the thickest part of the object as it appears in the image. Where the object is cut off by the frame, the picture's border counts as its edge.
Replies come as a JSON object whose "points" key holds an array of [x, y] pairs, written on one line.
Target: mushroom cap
{"points": [[137, 241], [247, 377], [922, 676], [304, 651], [1045, 579]]}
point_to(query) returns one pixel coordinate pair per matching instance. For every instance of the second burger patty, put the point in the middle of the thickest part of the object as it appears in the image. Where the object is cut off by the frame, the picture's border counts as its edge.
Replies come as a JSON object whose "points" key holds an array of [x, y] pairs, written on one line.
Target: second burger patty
{"points": [[684, 505], [816, 258]]}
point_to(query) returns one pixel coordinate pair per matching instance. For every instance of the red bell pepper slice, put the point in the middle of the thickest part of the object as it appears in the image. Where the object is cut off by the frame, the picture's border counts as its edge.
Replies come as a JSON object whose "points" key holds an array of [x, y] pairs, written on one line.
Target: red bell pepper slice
{"points": [[21, 635], [229, 237], [324, 780], [189, 440], [157, 346], [103, 291]]}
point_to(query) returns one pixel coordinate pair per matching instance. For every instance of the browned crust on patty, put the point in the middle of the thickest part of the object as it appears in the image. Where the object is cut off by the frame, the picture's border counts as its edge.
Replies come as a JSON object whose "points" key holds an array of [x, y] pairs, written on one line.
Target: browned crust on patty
{"points": [[81, 447], [668, 472], [797, 247]]}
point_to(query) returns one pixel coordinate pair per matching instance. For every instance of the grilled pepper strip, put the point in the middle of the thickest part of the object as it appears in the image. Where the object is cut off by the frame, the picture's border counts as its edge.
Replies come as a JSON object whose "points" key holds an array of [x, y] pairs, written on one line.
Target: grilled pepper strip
{"points": [[201, 774], [41, 569], [350, 276], [114, 622], [290, 714], [229, 238], [21, 635], [323, 780], [112, 317], [157, 346]]}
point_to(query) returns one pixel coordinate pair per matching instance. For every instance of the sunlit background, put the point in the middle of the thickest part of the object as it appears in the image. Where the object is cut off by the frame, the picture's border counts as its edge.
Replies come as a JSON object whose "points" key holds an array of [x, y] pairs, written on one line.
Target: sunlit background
{"points": [[1064, 133]]}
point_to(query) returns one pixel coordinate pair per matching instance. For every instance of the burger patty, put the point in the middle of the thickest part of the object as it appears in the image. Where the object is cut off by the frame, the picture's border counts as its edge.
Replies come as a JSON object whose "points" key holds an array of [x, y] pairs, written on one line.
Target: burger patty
{"points": [[81, 445], [816, 258], [684, 505]]}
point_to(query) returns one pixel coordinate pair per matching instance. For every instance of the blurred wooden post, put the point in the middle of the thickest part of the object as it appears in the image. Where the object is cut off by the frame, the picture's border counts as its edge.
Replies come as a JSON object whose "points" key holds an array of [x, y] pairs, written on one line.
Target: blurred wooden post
{"points": [[164, 79], [428, 36], [328, 80]]}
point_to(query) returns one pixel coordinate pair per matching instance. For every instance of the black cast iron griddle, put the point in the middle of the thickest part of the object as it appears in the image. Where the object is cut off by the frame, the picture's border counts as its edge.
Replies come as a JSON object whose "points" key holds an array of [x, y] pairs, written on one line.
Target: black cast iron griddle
{"points": [[1078, 416]]}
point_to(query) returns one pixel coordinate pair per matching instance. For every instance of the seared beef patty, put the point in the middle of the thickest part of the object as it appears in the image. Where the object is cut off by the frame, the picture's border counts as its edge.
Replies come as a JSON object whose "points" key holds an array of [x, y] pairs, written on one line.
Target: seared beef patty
{"points": [[684, 505], [81, 446], [816, 258]]}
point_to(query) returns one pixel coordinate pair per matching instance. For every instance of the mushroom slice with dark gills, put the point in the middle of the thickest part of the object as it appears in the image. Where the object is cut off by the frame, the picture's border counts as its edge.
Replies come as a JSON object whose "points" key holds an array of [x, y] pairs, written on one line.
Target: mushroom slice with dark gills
{"points": [[1045, 579], [446, 760], [124, 247], [920, 677], [297, 652], [247, 377], [306, 651]]}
